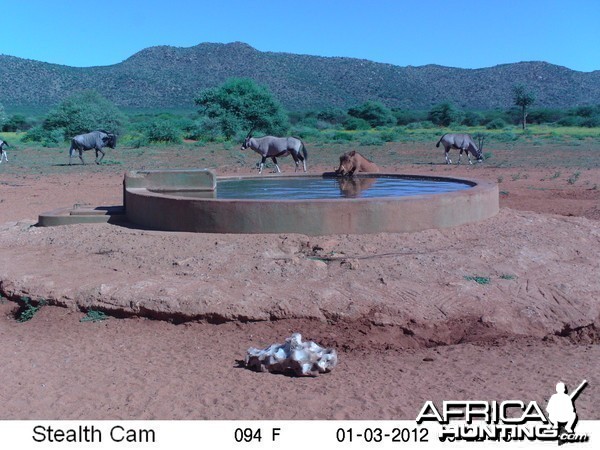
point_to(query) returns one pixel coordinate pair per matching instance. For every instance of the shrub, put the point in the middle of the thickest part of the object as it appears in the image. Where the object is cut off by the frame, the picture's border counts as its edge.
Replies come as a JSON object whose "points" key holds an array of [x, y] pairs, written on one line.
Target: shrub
{"points": [[591, 122], [85, 112], [16, 122], [27, 310], [405, 117], [444, 114], [473, 119], [304, 132], [355, 123], [427, 124], [376, 114], [35, 134], [506, 136], [570, 121], [80, 113], [135, 139], [496, 124], [370, 139], [2, 116], [336, 136], [48, 138], [162, 131], [332, 116], [240, 104], [391, 135]]}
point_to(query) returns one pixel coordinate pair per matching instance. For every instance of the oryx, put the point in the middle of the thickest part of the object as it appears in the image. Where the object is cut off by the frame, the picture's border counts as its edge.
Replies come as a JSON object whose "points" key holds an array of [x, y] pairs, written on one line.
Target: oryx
{"points": [[463, 143], [273, 147]]}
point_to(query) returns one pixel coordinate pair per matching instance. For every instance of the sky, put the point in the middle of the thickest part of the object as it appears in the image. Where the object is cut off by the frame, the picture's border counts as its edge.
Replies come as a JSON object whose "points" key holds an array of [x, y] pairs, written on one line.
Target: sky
{"points": [[463, 33]]}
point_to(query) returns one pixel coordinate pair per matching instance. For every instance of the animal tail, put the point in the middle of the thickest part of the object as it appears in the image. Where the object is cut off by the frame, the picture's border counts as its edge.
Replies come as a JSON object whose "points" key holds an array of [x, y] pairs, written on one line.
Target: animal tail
{"points": [[438, 143], [304, 152]]}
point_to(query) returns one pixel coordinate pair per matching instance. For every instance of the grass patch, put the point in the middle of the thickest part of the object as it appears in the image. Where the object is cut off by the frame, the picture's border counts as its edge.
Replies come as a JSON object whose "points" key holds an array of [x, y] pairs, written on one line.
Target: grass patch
{"points": [[573, 178], [93, 316], [27, 310], [507, 277], [478, 280]]}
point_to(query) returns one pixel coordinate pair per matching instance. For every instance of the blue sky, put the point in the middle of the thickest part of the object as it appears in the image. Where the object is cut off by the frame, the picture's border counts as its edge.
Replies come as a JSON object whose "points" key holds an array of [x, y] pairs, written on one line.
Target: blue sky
{"points": [[461, 33]]}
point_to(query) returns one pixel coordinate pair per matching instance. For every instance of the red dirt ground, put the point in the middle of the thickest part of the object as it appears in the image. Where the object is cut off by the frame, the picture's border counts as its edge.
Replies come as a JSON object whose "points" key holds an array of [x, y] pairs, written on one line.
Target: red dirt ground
{"points": [[407, 322]]}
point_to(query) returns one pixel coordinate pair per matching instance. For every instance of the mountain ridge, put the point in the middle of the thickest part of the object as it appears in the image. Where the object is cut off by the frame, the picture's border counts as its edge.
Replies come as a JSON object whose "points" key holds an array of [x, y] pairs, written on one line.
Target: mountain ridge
{"points": [[171, 77]]}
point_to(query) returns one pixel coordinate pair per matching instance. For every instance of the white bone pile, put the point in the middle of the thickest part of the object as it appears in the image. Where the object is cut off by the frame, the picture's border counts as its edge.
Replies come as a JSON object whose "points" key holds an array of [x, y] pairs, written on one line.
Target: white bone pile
{"points": [[301, 358]]}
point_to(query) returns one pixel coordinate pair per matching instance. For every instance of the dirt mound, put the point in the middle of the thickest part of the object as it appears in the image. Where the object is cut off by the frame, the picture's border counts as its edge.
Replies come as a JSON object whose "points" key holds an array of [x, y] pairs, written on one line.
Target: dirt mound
{"points": [[505, 276]]}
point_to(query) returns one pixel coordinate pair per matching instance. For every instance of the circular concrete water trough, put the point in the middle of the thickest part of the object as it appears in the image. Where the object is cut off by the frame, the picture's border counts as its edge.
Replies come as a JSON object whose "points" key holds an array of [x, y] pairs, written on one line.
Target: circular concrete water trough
{"points": [[191, 200]]}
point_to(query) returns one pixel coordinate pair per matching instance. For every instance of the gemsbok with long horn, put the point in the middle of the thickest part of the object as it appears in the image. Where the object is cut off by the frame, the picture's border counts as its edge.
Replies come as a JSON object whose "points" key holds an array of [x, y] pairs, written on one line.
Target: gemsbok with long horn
{"points": [[274, 147], [463, 143]]}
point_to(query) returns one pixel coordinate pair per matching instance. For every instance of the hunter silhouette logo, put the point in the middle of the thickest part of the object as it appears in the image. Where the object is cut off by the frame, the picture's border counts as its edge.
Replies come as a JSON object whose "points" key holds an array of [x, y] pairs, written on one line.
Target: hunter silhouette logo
{"points": [[482, 420], [561, 410]]}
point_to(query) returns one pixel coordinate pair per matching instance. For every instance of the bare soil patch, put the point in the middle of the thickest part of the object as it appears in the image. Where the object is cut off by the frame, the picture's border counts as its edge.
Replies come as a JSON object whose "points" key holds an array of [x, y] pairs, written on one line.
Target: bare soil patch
{"points": [[500, 309]]}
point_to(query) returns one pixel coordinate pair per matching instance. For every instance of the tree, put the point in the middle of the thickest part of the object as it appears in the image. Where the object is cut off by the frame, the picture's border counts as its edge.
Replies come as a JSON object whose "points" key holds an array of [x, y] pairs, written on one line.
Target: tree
{"points": [[523, 99], [240, 105], [375, 113], [2, 116], [444, 114], [84, 112], [16, 122]]}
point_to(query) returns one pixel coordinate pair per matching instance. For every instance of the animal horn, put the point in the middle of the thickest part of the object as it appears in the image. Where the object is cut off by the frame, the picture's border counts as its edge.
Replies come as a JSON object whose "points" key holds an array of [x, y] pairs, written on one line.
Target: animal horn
{"points": [[250, 132]]}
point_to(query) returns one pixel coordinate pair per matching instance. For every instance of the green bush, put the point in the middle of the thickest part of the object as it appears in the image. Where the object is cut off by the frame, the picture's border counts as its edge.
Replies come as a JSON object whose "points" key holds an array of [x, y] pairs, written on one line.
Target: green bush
{"points": [[426, 124], [337, 136], [405, 117], [27, 310], [48, 138], [304, 132], [84, 112], [35, 134], [496, 124], [81, 113], [390, 135], [376, 114], [506, 136], [445, 114], [16, 122], [163, 131], [135, 139], [473, 119], [355, 123], [591, 122], [570, 121], [240, 104], [3, 117], [370, 139]]}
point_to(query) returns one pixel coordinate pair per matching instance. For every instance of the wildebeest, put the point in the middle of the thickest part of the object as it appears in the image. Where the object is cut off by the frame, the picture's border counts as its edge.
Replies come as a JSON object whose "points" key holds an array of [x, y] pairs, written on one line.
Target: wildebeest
{"points": [[96, 140], [463, 143], [2, 151], [274, 147], [353, 161]]}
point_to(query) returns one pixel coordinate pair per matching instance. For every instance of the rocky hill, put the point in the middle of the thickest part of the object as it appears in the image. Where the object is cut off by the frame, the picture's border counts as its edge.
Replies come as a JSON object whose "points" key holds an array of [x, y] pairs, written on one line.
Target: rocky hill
{"points": [[171, 77]]}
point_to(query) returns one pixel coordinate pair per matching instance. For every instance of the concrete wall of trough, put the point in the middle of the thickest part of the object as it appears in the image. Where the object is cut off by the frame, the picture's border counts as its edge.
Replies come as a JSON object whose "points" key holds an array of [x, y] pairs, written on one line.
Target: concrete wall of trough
{"points": [[151, 209]]}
